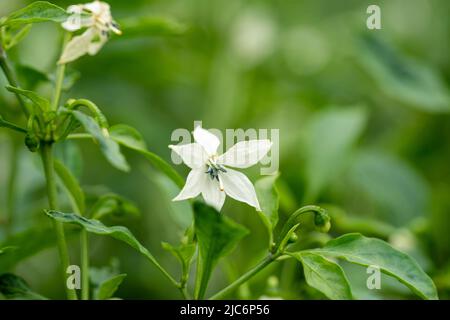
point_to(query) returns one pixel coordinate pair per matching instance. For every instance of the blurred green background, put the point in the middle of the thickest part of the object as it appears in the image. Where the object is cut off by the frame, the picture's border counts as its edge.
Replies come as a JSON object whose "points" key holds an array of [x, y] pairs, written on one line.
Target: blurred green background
{"points": [[363, 118]]}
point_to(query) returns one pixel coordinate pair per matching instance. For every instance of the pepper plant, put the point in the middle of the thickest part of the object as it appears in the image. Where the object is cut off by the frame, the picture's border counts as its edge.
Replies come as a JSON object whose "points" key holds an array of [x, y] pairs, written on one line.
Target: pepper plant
{"points": [[43, 122]]}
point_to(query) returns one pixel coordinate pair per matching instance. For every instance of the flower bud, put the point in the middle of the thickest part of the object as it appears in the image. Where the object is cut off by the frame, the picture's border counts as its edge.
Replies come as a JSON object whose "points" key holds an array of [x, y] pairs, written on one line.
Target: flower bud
{"points": [[293, 238], [32, 142], [322, 221]]}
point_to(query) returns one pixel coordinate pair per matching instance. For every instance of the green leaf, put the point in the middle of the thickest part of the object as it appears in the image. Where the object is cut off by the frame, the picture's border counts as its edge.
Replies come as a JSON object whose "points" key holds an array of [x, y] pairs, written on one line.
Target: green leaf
{"points": [[329, 137], [98, 275], [21, 247], [12, 35], [107, 288], [150, 26], [163, 166], [184, 253], [393, 189], [132, 139], [217, 236], [324, 275], [96, 227], [39, 11], [113, 205], [30, 77], [72, 186], [344, 223], [127, 136], [108, 146], [14, 287], [402, 79], [268, 199], [38, 100], [364, 251]]}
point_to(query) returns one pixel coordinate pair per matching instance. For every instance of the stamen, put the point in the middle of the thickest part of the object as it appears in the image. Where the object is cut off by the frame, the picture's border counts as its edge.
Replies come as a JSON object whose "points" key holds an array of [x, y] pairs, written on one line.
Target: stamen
{"points": [[220, 183], [213, 170], [115, 28]]}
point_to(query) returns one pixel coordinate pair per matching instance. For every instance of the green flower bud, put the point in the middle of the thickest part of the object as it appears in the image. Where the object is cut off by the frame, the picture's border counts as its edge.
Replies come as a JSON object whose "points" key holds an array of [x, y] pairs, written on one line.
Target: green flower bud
{"points": [[32, 142], [322, 221], [293, 238]]}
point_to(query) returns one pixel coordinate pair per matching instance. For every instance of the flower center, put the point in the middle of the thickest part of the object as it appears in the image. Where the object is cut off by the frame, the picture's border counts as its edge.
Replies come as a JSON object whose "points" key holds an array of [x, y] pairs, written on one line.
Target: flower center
{"points": [[213, 170]]}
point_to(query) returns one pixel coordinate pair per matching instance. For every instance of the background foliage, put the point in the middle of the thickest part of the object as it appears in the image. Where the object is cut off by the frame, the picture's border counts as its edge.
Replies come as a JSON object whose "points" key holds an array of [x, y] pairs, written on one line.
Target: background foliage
{"points": [[363, 118]]}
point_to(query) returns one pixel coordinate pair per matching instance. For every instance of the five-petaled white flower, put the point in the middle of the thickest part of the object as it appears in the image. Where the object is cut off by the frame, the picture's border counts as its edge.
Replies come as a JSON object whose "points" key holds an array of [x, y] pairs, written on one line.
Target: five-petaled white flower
{"points": [[211, 175], [96, 17]]}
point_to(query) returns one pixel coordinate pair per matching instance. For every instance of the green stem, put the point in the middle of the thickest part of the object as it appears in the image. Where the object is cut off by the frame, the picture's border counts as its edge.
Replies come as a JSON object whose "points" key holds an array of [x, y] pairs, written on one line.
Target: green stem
{"points": [[84, 254], [12, 80], [184, 292], [11, 200], [198, 273], [84, 265], [245, 277], [244, 291], [100, 117], [47, 160], [74, 136], [163, 271], [291, 222], [60, 70], [59, 80]]}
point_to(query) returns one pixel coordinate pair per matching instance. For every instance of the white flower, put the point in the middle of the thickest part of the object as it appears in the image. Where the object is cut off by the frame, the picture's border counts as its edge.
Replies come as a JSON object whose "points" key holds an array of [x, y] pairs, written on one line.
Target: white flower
{"points": [[210, 174], [96, 18]]}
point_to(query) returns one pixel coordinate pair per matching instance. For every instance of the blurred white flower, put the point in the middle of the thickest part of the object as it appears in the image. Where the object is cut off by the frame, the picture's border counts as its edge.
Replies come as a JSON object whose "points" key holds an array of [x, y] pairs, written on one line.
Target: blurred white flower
{"points": [[253, 37], [96, 17], [403, 239], [210, 176]]}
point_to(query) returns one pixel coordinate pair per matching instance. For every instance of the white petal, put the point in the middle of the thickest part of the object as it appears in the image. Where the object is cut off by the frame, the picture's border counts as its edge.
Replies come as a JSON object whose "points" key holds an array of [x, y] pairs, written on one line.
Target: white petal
{"points": [[97, 43], [76, 8], [239, 187], [77, 47], [245, 153], [192, 154], [207, 140], [195, 183], [97, 7], [76, 21], [212, 194], [73, 23]]}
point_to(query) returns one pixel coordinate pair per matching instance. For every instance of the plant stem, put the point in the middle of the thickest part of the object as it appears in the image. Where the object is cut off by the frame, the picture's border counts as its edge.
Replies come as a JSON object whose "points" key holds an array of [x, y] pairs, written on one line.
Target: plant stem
{"points": [[58, 86], [47, 160], [184, 292], [100, 117], [74, 136], [245, 277], [84, 252], [84, 265], [11, 200], [292, 221], [164, 272], [60, 70], [12, 80]]}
